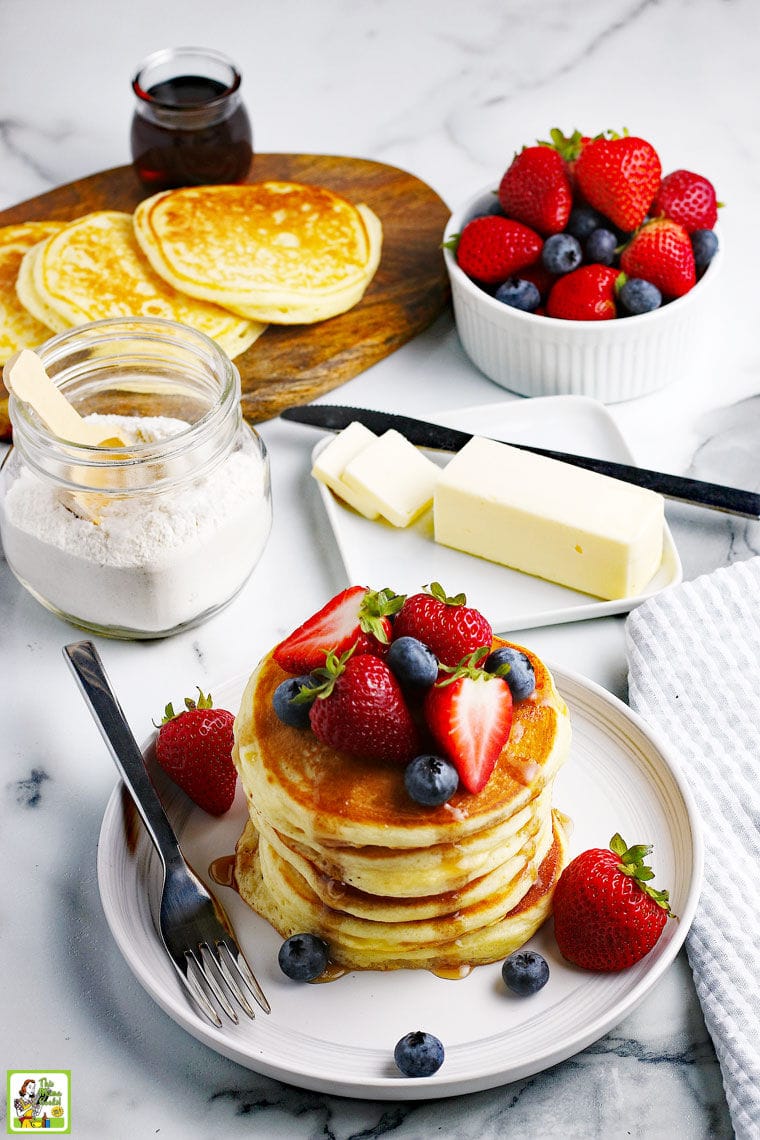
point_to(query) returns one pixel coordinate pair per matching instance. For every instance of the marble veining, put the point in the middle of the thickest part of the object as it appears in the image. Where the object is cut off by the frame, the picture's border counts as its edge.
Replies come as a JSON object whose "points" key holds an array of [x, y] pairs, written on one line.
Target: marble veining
{"points": [[448, 92]]}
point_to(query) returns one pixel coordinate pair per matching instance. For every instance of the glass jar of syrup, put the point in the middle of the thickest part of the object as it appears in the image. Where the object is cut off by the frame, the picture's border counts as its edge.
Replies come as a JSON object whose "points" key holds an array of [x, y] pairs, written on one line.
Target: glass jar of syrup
{"points": [[190, 127]]}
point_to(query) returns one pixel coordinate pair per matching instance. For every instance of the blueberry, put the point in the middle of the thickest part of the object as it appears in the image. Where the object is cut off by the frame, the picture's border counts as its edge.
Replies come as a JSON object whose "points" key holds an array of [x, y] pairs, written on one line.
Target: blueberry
{"points": [[600, 247], [525, 972], [292, 712], [561, 253], [515, 667], [519, 294], [640, 296], [303, 957], [414, 665], [705, 246], [418, 1054], [583, 221], [430, 780]]}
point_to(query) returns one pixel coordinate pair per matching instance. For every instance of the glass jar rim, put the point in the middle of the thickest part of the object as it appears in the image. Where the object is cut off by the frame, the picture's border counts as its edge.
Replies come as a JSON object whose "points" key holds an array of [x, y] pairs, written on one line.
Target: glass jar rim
{"points": [[165, 56], [34, 439]]}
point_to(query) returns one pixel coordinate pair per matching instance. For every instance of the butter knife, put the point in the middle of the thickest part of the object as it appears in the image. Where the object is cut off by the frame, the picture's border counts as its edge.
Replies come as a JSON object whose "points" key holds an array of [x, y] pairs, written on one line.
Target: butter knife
{"points": [[335, 417]]}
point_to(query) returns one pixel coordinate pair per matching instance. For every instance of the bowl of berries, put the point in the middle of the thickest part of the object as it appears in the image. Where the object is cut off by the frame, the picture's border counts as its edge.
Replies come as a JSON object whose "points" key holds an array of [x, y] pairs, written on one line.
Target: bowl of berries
{"points": [[585, 270]]}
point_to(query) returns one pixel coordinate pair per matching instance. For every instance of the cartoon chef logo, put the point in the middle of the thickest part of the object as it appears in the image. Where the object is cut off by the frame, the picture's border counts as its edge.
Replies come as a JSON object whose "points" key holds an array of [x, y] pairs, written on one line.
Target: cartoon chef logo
{"points": [[38, 1100]]}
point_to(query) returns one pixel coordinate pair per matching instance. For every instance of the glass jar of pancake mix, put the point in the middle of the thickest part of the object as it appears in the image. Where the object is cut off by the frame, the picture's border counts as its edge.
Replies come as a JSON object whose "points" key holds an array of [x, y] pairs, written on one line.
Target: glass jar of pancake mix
{"points": [[190, 127], [158, 526]]}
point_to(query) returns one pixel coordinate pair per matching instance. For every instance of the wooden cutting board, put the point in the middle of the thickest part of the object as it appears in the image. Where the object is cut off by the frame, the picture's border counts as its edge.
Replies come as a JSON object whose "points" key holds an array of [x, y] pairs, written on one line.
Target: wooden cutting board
{"points": [[293, 365]]}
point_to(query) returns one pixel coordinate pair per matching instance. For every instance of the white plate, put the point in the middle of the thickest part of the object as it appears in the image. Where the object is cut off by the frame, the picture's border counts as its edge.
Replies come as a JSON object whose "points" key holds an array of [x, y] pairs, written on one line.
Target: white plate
{"points": [[377, 554], [339, 1037]]}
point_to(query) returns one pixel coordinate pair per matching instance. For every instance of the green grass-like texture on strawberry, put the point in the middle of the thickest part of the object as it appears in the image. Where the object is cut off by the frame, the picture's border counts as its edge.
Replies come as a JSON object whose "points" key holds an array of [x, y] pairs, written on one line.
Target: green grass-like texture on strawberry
{"points": [[607, 914], [194, 748]]}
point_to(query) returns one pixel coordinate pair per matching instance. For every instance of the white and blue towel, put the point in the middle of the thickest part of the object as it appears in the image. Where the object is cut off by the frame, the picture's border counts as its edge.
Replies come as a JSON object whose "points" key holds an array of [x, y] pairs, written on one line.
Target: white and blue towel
{"points": [[694, 675]]}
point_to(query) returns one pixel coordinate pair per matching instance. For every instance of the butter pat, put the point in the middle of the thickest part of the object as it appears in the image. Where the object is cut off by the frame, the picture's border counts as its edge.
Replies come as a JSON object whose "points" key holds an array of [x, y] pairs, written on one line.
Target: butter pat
{"points": [[548, 518], [331, 462], [396, 478]]}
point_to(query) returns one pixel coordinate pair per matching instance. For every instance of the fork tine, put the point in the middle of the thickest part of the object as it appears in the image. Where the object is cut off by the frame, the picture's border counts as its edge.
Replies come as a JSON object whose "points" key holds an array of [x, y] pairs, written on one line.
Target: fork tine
{"points": [[194, 989], [240, 963], [208, 955], [233, 981]]}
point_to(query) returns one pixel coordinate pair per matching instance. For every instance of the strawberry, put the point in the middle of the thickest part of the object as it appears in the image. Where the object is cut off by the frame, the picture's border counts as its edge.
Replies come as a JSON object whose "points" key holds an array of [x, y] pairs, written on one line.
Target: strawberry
{"points": [[688, 199], [606, 916], [569, 148], [661, 252], [491, 248], [359, 708], [448, 626], [535, 190], [357, 617], [619, 176], [469, 714], [194, 748], [586, 294]]}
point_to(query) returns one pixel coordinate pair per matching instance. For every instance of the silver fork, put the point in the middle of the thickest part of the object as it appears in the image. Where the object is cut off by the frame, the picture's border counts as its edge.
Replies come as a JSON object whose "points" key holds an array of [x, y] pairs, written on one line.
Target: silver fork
{"points": [[194, 928]]}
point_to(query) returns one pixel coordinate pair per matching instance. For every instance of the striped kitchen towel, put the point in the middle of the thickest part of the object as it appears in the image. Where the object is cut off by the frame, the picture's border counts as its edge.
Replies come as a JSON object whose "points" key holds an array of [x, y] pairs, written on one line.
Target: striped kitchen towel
{"points": [[694, 674]]}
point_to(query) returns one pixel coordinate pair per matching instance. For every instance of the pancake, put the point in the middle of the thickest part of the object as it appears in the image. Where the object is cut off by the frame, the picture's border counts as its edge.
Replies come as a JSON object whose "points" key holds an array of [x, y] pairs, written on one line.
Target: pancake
{"points": [[335, 846], [485, 932], [18, 327], [93, 269], [272, 251], [312, 792]]}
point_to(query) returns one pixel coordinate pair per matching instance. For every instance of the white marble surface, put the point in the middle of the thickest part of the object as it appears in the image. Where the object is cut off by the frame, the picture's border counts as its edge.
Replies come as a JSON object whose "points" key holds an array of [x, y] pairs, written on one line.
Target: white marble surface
{"points": [[447, 91]]}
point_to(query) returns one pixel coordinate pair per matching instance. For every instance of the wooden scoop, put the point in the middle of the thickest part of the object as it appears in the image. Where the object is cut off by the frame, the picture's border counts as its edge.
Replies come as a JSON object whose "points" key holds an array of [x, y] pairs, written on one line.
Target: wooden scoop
{"points": [[24, 374]]}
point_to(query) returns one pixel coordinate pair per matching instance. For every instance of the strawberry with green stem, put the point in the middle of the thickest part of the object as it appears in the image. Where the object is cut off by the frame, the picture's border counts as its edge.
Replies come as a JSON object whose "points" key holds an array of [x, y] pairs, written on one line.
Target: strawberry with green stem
{"points": [[356, 618], [447, 625], [607, 915], [194, 748], [358, 707]]}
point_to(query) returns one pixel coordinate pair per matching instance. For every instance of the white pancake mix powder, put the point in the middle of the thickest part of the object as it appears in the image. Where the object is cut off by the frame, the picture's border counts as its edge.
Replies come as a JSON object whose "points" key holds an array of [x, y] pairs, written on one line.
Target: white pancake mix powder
{"points": [[155, 561]]}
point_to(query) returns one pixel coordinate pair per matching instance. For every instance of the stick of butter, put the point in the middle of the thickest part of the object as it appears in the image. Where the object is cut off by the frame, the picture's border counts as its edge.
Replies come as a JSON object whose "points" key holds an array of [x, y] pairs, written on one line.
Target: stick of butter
{"points": [[572, 526], [331, 462], [395, 477]]}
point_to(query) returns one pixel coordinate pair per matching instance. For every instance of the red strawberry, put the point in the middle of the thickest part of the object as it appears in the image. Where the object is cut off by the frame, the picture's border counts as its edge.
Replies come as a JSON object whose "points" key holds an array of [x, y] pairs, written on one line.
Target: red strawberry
{"points": [[606, 916], [194, 748], [661, 252], [569, 148], [688, 199], [360, 708], [356, 617], [586, 294], [619, 177], [448, 626], [470, 716], [535, 190], [491, 248]]}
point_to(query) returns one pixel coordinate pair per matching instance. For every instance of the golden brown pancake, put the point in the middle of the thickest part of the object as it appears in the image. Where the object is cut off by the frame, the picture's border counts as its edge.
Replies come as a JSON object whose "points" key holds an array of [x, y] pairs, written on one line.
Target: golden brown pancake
{"points": [[272, 251], [93, 269], [335, 846], [18, 327]]}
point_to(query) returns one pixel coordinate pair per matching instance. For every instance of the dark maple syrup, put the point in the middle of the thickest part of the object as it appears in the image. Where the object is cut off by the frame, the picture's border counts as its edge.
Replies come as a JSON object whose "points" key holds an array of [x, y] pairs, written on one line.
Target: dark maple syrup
{"points": [[189, 129]]}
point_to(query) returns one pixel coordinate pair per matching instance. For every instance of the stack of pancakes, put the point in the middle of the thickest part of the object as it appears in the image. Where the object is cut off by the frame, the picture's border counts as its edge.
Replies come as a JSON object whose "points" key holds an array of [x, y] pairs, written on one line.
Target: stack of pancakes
{"points": [[226, 260], [335, 847], [277, 252]]}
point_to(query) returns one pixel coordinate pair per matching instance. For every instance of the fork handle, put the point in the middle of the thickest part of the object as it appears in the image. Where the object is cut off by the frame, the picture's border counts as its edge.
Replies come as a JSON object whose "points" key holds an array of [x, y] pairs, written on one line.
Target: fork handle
{"points": [[85, 663]]}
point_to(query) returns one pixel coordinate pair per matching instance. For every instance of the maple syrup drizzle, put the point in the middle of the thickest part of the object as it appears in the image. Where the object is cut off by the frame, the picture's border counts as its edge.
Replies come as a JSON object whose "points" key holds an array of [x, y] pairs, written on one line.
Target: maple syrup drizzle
{"points": [[222, 871]]}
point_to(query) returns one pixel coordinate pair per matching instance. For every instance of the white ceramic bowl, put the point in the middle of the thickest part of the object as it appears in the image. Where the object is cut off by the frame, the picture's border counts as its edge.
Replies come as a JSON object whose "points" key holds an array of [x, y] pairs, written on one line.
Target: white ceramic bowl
{"points": [[610, 361]]}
